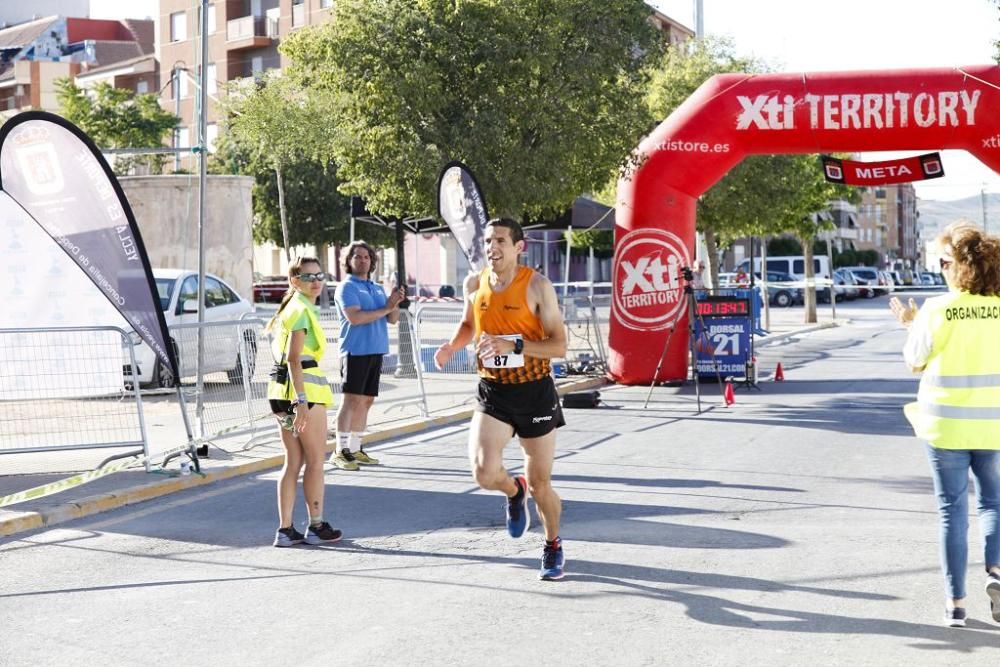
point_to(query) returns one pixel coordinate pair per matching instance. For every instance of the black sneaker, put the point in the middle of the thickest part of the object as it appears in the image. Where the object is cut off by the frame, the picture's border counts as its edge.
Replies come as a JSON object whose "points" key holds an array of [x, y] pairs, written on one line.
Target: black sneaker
{"points": [[324, 533], [993, 590], [288, 537], [955, 618]]}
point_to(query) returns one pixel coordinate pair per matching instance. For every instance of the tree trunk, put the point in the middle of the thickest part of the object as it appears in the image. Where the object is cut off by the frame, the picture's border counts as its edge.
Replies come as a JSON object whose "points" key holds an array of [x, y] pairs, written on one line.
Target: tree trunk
{"points": [[810, 292], [281, 211], [336, 262], [322, 253], [712, 249]]}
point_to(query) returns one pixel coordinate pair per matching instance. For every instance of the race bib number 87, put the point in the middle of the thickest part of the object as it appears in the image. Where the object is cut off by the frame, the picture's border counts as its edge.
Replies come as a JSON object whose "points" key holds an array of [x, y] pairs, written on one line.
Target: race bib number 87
{"points": [[509, 360]]}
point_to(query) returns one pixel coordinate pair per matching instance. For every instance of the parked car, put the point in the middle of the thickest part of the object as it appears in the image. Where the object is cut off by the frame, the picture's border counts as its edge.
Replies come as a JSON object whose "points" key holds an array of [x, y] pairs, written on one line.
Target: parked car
{"points": [[927, 280], [846, 285], [875, 282], [272, 289], [178, 292], [269, 289], [779, 295]]}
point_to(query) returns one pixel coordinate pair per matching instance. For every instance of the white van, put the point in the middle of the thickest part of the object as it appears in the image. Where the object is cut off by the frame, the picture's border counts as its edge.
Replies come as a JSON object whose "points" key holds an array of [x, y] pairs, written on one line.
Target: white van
{"points": [[796, 266]]}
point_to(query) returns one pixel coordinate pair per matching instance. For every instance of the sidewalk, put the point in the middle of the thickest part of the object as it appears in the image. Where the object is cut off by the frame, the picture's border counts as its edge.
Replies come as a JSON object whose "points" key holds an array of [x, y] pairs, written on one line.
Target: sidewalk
{"points": [[389, 421]]}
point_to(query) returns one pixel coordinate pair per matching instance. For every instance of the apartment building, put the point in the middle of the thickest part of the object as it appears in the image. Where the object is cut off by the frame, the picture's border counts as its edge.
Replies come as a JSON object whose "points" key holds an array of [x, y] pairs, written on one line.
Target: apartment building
{"points": [[887, 222], [35, 54], [243, 39]]}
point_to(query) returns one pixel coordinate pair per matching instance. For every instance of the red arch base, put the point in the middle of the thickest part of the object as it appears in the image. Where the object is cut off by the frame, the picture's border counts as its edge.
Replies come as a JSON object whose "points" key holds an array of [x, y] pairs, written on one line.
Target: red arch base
{"points": [[734, 115]]}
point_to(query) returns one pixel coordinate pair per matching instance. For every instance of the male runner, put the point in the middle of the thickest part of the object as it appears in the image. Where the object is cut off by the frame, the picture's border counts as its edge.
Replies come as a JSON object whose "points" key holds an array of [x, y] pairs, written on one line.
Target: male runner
{"points": [[513, 315]]}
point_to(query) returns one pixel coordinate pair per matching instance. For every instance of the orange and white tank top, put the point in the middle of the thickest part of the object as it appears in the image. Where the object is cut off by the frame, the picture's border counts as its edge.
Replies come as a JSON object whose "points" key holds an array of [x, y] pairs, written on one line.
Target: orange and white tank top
{"points": [[507, 313]]}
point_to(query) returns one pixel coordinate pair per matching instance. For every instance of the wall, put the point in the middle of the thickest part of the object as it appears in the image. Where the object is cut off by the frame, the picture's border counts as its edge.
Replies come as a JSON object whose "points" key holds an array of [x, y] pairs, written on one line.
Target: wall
{"points": [[166, 208]]}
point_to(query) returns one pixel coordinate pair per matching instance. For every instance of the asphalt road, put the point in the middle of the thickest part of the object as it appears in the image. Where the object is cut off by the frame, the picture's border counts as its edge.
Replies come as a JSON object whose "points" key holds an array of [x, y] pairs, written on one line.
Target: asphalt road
{"points": [[797, 526]]}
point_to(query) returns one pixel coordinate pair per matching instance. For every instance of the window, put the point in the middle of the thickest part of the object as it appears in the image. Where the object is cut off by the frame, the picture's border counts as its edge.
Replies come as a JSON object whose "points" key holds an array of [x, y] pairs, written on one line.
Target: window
{"points": [[324, 4], [189, 291], [211, 19], [178, 26], [215, 293], [211, 134], [799, 267], [211, 85], [179, 85], [257, 65], [183, 138], [142, 87], [777, 265]]}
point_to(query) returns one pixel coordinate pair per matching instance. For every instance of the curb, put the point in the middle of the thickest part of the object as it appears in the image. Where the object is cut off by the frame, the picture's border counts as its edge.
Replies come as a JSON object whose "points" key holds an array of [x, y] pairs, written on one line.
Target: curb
{"points": [[777, 338], [20, 522]]}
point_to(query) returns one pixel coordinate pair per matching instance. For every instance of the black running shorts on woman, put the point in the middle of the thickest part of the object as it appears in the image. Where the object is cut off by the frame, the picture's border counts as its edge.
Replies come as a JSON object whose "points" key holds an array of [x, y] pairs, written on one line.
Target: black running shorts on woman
{"points": [[532, 408]]}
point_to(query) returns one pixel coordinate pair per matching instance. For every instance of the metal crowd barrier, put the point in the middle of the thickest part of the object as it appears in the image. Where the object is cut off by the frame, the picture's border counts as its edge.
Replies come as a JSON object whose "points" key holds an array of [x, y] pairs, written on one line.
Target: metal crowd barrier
{"points": [[237, 364], [64, 389]]}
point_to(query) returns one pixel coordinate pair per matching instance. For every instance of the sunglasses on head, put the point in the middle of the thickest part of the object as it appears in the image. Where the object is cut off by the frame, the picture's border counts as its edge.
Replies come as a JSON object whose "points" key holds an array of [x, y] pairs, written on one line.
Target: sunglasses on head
{"points": [[312, 277]]}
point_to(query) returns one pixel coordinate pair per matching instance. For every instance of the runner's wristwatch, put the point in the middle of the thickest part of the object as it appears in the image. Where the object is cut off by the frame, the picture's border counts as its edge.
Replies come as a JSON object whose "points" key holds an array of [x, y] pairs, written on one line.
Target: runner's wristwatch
{"points": [[518, 345]]}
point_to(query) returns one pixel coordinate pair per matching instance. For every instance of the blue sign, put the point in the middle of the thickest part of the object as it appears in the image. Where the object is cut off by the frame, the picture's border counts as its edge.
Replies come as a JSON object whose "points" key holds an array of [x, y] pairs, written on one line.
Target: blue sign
{"points": [[727, 341]]}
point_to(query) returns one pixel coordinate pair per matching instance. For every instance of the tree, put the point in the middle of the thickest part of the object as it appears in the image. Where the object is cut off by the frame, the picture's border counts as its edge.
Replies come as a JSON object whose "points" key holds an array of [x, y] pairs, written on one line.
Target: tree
{"points": [[806, 193], [996, 44], [278, 126], [118, 118], [541, 99], [318, 214]]}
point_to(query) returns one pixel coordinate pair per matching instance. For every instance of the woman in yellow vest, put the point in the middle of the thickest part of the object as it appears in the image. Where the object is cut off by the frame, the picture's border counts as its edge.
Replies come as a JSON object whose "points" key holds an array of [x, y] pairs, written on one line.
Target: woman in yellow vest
{"points": [[953, 341], [299, 395]]}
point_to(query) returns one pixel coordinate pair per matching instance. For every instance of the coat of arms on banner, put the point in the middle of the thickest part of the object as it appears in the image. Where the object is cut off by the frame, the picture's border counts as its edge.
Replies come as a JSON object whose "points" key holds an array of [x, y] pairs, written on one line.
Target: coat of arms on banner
{"points": [[38, 160]]}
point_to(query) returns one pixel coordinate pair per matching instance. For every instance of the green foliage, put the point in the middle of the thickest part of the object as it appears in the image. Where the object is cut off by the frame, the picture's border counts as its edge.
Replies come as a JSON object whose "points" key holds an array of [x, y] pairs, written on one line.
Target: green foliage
{"points": [[786, 245], [851, 257], [601, 240], [279, 134], [118, 118], [996, 44], [541, 99]]}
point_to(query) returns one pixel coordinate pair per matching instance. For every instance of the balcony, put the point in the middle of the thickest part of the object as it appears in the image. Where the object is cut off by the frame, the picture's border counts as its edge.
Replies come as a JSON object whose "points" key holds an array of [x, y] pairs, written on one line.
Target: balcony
{"points": [[250, 32], [298, 15]]}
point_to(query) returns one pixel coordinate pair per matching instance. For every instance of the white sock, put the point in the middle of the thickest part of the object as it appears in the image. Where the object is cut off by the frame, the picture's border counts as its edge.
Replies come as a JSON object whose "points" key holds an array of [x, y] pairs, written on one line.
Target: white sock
{"points": [[343, 441], [355, 441]]}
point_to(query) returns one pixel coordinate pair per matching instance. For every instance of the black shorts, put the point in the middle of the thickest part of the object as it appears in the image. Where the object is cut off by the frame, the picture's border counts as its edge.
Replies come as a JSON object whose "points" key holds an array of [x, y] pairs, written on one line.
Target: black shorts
{"points": [[283, 407], [532, 408], [360, 373]]}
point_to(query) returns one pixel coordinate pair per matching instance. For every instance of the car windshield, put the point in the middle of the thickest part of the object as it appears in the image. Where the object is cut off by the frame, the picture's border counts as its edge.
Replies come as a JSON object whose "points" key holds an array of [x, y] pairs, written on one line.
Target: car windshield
{"points": [[165, 289]]}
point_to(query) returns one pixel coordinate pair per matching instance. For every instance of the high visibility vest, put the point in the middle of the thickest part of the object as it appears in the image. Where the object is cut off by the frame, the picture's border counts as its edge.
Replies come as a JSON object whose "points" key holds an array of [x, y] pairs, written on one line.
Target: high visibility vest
{"points": [[316, 385], [958, 404]]}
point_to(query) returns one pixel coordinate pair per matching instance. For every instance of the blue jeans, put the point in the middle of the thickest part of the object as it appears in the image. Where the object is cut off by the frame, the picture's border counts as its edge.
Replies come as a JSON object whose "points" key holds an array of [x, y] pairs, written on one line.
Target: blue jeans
{"points": [[951, 484]]}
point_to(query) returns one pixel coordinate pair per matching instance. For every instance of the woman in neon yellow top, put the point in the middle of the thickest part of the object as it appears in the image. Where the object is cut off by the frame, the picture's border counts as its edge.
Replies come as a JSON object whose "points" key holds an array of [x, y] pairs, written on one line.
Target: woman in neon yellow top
{"points": [[952, 342], [299, 395]]}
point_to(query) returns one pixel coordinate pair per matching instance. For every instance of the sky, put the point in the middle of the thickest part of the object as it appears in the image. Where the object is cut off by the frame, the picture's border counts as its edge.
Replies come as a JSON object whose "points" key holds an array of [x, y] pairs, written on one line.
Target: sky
{"points": [[813, 36]]}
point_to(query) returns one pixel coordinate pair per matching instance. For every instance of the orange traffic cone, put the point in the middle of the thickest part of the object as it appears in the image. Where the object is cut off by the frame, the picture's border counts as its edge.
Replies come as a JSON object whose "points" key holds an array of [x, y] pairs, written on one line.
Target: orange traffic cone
{"points": [[729, 395], [779, 375]]}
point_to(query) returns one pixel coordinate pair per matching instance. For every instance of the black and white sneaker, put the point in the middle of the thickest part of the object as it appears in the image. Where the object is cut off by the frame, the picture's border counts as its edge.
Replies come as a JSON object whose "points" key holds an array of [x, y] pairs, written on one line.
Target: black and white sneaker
{"points": [[993, 590], [324, 533], [288, 537], [955, 618]]}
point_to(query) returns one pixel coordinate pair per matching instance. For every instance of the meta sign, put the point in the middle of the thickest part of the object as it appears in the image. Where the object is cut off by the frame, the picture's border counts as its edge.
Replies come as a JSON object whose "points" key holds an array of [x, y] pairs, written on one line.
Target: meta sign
{"points": [[852, 172]]}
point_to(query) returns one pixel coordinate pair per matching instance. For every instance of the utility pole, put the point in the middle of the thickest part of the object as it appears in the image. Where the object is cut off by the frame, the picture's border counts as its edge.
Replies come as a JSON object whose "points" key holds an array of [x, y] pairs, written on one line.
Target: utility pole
{"points": [[202, 150], [982, 198], [699, 19]]}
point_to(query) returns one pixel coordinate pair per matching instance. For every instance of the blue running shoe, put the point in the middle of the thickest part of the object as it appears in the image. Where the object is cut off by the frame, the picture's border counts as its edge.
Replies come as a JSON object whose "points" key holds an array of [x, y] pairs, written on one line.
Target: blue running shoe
{"points": [[518, 517], [553, 562]]}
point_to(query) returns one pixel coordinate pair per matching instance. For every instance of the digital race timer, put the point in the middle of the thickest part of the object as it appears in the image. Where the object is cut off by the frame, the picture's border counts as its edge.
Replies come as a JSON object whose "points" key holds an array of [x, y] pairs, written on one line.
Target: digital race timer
{"points": [[722, 306]]}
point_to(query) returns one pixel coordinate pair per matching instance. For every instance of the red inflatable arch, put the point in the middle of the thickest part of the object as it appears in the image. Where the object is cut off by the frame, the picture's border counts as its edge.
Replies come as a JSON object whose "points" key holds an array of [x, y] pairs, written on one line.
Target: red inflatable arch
{"points": [[734, 115]]}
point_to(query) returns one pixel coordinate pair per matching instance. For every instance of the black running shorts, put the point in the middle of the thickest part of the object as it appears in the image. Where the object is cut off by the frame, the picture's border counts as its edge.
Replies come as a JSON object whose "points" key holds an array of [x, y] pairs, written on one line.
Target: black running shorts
{"points": [[360, 373], [532, 408]]}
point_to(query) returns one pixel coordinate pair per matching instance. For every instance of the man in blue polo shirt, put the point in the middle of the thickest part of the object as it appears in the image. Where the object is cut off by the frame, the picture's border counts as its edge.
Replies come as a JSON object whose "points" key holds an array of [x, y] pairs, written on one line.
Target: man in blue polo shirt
{"points": [[365, 313]]}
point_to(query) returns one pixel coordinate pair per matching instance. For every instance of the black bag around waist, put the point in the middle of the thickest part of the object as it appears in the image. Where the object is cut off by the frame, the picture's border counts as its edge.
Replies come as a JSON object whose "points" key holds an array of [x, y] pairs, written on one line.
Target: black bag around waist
{"points": [[279, 372]]}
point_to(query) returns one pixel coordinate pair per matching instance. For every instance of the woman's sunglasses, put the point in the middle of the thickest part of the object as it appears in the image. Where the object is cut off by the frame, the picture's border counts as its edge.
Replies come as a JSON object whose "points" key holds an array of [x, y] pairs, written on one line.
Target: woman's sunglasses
{"points": [[312, 277], [945, 263]]}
